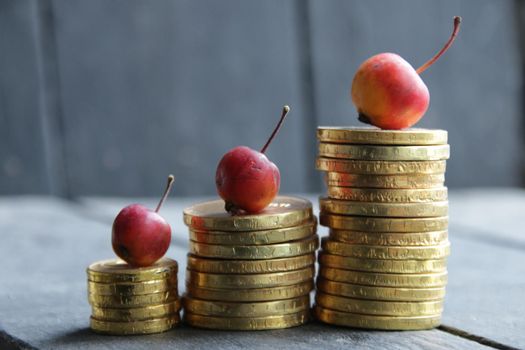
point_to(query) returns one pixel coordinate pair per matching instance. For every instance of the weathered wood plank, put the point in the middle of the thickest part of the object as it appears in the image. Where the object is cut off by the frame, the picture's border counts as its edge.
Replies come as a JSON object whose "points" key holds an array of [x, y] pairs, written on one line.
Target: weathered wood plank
{"points": [[481, 109], [494, 287], [486, 289], [43, 301], [23, 167], [502, 226], [310, 336], [151, 88]]}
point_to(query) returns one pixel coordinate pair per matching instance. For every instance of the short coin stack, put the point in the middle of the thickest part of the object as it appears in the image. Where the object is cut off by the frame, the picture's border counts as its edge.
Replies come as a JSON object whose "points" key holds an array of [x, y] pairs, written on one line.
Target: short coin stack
{"points": [[127, 300], [383, 265], [250, 272]]}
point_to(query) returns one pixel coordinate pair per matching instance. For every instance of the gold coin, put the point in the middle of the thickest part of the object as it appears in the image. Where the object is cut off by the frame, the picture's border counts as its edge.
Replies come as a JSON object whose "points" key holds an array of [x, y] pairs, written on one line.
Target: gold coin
{"points": [[393, 153], [255, 294], [255, 252], [375, 307], [282, 212], [136, 313], [155, 325], [389, 253], [389, 239], [279, 235], [251, 309], [380, 293], [261, 280], [401, 323], [380, 195], [115, 270], [409, 210], [374, 224], [382, 265], [247, 323], [385, 181], [430, 280], [250, 266], [133, 288], [374, 136], [380, 167], [127, 301]]}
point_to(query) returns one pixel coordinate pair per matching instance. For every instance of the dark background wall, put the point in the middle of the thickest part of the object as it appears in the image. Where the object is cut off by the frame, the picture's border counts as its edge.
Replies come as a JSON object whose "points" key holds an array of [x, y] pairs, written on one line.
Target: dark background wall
{"points": [[106, 97]]}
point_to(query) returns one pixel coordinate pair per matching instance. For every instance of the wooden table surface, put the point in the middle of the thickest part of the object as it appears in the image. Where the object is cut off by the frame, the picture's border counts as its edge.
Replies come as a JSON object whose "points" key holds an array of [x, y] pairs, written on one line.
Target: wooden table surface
{"points": [[46, 243]]}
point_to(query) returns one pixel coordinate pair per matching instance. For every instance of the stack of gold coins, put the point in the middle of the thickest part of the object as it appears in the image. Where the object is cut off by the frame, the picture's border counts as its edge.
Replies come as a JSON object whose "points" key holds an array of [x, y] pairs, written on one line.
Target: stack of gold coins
{"points": [[250, 272], [383, 265], [127, 300]]}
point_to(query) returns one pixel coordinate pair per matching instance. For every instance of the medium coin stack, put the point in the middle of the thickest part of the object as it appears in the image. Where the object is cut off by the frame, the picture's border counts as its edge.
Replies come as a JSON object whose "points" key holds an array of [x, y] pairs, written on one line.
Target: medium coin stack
{"points": [[127, 300], [383, 265], [250, 272]]}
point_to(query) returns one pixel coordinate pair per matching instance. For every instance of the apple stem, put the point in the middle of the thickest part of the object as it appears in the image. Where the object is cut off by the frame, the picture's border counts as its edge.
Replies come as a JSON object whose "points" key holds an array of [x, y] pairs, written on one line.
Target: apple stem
{"points": [[171, 178], [457, 22], [284, 113]]}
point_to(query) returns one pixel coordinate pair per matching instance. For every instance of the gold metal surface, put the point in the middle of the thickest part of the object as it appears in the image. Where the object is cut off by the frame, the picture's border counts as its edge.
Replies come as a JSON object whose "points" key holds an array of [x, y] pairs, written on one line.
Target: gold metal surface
{"points": [[410, 210], [375, 307], [116, 270], [376, 322], [385, 181], [223, 281], [136, 313], [252, 294], [382, 265], [282, 212], [156, 325], [246, 309], [127, 301], [391, 153], [375, 224], [380, 293], [255, 252], [133, 288], [380, 167], [380, 195], [375, 136], [247, 323], [389, 253], [278, 235], [430, 280], [249, 266], [389, 239]]}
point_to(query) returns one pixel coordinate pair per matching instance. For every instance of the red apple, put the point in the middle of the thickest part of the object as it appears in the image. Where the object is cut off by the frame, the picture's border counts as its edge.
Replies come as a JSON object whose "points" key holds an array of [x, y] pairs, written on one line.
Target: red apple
{"points": [[246, 179], [141, 236], [389, 93]]}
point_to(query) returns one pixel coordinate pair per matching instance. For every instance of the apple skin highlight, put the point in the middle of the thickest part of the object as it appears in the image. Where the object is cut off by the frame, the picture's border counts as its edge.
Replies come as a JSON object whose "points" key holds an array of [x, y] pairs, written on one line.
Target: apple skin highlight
{"points": [[388, 92]]}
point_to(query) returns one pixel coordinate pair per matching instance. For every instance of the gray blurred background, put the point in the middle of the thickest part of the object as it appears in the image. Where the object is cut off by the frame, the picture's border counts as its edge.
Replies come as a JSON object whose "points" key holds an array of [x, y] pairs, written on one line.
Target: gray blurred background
{"points": [[106, 97]]}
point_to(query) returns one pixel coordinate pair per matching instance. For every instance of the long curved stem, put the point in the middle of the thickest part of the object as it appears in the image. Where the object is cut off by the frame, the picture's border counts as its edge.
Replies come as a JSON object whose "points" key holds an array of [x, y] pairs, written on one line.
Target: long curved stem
{"points": [[457, 22], [171, 178], [284, 113]]}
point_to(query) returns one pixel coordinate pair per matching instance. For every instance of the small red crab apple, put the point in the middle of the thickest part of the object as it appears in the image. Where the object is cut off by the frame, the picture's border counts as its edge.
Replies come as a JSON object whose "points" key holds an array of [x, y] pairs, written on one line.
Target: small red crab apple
{"points": [[246, 179], [141, 236], [389, 93]]}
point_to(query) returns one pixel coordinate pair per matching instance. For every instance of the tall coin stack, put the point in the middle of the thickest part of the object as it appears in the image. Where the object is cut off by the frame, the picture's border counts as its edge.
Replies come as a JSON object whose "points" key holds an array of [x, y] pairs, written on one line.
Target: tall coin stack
{"points": [[383, 265], [127, 300], [250, 272]]}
